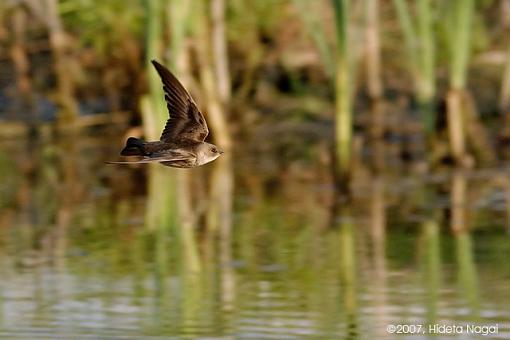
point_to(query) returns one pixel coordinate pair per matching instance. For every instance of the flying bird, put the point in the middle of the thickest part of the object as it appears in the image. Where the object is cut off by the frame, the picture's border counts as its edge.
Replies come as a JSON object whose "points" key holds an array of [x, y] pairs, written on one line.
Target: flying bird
{"points": [[181, 144]]}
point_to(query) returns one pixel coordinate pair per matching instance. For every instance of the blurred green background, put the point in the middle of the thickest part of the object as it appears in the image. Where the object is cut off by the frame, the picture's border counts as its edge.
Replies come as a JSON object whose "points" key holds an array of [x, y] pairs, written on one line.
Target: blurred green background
{"points": [[365, 181]]}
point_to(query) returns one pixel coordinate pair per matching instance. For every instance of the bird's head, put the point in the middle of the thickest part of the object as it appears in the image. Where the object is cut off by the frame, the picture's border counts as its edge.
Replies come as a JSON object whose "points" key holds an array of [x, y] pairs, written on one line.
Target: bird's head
{"points": [[209, 152]]}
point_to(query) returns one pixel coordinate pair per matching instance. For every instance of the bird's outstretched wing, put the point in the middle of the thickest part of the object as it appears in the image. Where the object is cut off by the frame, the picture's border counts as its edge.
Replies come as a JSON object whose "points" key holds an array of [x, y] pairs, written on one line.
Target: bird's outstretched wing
{"points": [[186, 122]]}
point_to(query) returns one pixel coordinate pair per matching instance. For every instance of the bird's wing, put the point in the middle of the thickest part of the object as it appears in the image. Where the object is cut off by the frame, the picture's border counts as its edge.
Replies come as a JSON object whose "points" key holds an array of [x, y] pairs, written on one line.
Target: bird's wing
{"points": [[162, 156], [186, 122], [150, 160], [169, 156]]}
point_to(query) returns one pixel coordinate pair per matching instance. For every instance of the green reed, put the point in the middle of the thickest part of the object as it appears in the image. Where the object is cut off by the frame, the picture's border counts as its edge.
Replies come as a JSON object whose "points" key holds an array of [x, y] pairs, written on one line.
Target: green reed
{"points": [[343, 92], [459, 42], [153, 109], [418, 32]]}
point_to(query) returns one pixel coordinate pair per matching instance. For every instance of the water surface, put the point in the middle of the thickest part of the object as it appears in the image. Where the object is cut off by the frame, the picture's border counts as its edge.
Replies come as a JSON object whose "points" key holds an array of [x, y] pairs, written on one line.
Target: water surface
{"points": [[95, 251]]}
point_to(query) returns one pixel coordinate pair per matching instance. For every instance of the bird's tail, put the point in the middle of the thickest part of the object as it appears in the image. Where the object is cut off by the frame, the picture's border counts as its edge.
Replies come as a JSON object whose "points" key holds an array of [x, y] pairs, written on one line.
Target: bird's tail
{"points": [[134, 147]]}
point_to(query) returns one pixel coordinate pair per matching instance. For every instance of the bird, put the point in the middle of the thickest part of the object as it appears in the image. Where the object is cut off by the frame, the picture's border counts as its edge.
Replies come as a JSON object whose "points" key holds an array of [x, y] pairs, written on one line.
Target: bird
{"points": [[182, 142]]}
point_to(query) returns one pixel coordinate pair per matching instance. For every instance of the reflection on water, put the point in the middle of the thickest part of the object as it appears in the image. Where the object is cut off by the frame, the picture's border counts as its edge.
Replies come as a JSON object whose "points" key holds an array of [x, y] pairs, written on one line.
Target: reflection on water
{"points": [[90, 250]]}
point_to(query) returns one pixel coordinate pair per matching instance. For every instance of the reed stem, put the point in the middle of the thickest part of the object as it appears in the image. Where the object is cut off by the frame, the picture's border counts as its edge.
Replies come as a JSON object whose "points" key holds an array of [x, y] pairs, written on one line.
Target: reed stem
{"points": [[461, 13], [343, 91], [420, 44], [154, 113], [373, 50], [460, 41]]}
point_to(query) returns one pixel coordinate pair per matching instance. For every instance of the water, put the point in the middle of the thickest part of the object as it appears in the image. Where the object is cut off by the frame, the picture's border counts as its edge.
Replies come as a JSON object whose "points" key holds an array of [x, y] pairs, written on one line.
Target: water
{"points": [[92, 251]]}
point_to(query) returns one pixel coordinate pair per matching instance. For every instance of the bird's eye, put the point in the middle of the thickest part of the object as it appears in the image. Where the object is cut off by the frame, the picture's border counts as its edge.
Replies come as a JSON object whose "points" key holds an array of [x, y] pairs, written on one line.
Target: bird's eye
{"points": [[214, 150]]}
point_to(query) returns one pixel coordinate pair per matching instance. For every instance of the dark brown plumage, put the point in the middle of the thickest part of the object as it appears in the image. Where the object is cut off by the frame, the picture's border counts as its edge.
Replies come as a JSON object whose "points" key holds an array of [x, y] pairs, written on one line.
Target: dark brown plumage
{"points": [[182, 141]]}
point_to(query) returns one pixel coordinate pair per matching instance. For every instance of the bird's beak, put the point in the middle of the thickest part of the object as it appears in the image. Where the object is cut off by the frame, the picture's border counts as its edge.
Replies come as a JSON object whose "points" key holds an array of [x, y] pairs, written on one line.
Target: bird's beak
{"points": [[222, 152]]}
